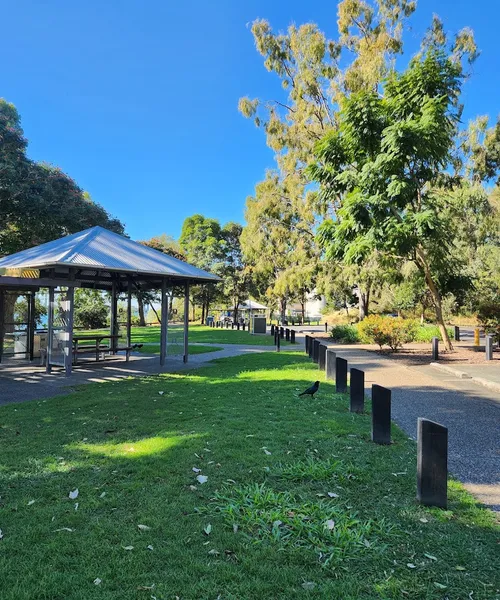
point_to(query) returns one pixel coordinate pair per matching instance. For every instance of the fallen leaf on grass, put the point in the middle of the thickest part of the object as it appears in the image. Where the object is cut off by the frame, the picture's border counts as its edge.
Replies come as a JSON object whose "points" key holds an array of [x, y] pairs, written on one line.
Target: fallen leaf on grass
{"points": [[411, 566], [196, 470], [440, 586], [330, 524], [73, 495], [308, 585], [424, 520], [150, 547], [97, 581], [429, 556], [459, 568], [161, 393], [76, 505], [31, 502], [128, 547], [333, 495], [1, 534], [193, 488], [102, 495], [214, 552], [266, 451], [145, 588], [64, 529], [143, 527], [202, 478], [235, 528], [207, 529]]}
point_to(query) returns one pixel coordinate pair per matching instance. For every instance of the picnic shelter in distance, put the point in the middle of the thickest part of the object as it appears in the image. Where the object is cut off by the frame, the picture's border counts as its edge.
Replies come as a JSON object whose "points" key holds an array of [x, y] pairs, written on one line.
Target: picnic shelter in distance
{"points": [[97, 259]]}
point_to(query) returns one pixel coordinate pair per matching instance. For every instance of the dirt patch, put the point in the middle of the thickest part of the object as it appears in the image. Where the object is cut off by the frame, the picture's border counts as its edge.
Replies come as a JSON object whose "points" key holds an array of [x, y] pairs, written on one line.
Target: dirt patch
{"points": [[423, 356]]}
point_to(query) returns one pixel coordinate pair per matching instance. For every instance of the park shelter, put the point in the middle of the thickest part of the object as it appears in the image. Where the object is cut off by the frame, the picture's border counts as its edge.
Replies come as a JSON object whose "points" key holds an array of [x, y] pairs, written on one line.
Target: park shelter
{"points": [[98, 259]]}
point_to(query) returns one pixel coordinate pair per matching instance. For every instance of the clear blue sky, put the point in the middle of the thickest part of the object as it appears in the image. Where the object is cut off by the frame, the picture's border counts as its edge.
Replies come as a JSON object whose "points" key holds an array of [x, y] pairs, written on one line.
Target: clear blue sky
{"points": [[137, 101]]}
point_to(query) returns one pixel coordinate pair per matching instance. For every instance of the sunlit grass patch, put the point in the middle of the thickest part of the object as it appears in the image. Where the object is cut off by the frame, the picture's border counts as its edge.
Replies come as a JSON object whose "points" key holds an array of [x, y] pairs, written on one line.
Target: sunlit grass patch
{"points": [[133, 449]]}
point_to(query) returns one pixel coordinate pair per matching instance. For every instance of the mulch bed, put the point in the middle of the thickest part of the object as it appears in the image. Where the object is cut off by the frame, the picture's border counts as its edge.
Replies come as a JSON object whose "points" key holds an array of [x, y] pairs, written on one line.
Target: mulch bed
{"points": [[423, 356]]}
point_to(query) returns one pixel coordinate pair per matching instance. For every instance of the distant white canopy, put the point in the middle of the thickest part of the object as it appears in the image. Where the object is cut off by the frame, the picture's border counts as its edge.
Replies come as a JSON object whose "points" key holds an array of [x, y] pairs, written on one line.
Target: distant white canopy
{"points": [[99, 253], [252, 305]]}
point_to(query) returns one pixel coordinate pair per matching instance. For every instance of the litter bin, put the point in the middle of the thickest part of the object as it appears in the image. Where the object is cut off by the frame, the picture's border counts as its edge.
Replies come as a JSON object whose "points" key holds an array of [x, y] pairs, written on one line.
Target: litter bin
{"points": [[259, 325]]}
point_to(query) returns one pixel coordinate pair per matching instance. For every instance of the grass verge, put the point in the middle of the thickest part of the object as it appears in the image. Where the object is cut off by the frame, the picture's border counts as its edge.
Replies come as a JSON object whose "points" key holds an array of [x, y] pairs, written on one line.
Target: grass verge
{"points": [[297, 502]]}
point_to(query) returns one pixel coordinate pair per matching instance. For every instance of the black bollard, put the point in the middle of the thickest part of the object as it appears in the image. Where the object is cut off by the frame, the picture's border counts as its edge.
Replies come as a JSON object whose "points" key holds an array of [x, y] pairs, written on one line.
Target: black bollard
{"points": [[272, 330], [315, 356], [232, 325], [244, 326], [457, 334], [307, 342], [282, 333], [311, 344], [238, 326], [432, 464], [340, 375], [330, 364], [278, 343], [435, 348], [326, 327], [322, 357], [292, 336], [381, 415], [287, 334], [357, 391]]}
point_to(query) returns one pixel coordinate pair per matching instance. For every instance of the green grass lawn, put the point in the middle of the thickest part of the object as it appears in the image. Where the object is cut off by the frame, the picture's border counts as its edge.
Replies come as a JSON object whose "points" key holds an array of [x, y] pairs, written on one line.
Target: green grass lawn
{"points": [[200, 334], [179, 349], [298, 502]]}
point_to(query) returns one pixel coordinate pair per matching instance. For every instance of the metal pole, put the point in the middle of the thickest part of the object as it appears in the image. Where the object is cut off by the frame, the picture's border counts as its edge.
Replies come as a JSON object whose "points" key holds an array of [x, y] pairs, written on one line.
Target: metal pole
{"points": [[68, 348], [164, 323], [31, 324], [50, 327], [186, 322], [2, 319], [129, 320], [114, 310]]}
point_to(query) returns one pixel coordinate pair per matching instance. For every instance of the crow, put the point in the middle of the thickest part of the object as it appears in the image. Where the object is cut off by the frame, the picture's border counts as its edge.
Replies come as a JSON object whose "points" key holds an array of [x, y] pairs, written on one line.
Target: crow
{"points": [[311, 390]]}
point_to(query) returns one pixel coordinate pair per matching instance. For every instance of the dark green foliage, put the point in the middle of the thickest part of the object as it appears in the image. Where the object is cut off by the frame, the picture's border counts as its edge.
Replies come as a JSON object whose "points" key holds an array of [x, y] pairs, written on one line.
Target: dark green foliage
{"points": [[345, 334], [488, 315], [91, 309]]}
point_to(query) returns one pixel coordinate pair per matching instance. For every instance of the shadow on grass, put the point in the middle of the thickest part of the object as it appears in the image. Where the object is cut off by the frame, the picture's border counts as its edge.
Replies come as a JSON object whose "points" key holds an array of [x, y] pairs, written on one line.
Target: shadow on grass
{"points": [[134, 449]]}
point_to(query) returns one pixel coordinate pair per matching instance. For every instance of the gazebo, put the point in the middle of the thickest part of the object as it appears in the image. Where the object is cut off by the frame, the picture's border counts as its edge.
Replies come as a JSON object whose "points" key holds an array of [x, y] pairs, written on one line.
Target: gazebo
{"points": [[98, 259]]}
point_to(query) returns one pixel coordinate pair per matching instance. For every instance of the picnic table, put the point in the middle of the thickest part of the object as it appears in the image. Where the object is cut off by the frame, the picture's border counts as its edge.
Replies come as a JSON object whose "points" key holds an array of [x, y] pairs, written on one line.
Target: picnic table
{"points": [[96, 347]]}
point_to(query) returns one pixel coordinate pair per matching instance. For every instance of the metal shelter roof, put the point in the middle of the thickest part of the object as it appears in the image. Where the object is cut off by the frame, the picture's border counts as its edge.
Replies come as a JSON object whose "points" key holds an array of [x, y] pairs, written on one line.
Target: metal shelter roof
{"points": [[252, 305], [98, 256]]}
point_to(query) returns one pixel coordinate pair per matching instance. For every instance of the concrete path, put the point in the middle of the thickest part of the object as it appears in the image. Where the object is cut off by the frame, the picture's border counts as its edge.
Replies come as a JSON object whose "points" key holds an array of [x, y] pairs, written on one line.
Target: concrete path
{"points": [[470, 411]]}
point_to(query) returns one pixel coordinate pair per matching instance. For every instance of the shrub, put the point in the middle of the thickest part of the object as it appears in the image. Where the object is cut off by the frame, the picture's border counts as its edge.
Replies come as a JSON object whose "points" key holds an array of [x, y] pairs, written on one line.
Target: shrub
{"points": [[425, 333], [488, 316], [393, 332], [345, 334]]}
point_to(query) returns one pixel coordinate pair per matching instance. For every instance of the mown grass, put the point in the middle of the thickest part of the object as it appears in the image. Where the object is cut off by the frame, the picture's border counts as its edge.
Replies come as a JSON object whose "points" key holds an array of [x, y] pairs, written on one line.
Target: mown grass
{"points": [[179, 349], [298, 502], [199, 334]]}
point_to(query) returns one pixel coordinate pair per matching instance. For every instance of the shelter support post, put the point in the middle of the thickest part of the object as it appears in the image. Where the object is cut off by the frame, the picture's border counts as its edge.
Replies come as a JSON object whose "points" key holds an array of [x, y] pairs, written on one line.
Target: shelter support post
{"points": [[68, 346], [31, 324], [50, 330], [2, 319], [129, 320], [164, 323], [186, 322], [113, 320]]}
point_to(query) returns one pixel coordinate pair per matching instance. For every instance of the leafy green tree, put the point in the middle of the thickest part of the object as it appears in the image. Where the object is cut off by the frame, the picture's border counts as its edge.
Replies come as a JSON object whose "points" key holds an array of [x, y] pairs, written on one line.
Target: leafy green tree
{"points": [[202, 241], [385, 169], [91, 309], [38, 202]]}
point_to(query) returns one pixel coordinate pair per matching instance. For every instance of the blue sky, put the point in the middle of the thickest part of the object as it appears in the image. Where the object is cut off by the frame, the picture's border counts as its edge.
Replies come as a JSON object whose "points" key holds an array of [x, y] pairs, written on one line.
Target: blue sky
{"points": [[137, 101]]}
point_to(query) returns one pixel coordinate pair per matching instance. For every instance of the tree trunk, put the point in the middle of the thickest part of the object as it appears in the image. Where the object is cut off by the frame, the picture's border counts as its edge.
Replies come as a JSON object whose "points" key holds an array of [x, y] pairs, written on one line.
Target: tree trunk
{"points": [[364, 303], [303, 312], [157, 315], [283, 309], [436, 298], [235, 312], [140, 305], [202, 313]]}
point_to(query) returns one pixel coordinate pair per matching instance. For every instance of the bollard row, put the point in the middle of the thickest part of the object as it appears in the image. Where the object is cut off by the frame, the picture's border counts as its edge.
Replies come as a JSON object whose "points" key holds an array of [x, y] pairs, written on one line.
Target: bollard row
{"points": [[432, 438]]}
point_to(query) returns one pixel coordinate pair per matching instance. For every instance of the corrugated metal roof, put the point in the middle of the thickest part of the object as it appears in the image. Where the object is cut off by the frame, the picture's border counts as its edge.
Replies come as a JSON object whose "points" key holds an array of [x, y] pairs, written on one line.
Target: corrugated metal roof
{"points": [[100, 248], [252, 305]]}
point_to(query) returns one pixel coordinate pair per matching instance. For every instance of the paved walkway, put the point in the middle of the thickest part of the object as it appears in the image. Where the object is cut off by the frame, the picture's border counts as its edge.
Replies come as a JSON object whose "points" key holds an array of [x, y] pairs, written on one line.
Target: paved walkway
{"points": [[471, 413]]}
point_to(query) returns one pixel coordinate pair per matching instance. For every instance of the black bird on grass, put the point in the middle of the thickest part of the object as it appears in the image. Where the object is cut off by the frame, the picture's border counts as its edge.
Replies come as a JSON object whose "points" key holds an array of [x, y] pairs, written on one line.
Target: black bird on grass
{"points": [[311, 390]]}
